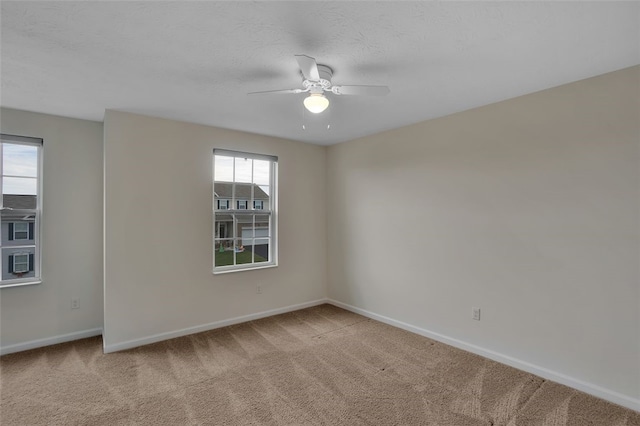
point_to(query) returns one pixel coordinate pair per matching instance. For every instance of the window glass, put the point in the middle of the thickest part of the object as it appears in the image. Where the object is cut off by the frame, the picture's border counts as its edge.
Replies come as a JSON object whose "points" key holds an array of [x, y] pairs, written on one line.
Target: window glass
{"points": [[20, 231], [243, 239], [20, 263], [20, 209]]}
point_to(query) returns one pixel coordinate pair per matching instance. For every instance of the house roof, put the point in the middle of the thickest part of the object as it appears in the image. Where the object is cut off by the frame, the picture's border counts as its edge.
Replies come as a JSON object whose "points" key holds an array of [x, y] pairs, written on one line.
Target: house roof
{"points": [[18, 202], [243, 191]]}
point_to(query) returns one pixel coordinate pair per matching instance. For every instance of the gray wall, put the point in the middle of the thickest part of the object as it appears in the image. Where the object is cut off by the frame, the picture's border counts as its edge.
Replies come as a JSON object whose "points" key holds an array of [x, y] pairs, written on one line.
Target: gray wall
{"points": [[158, 229], [71, 232], [528, 208]]}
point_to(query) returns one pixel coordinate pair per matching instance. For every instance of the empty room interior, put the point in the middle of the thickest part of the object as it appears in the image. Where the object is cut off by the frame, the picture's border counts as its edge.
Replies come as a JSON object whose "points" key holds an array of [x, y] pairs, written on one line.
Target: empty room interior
{"points": [[355, 213]]}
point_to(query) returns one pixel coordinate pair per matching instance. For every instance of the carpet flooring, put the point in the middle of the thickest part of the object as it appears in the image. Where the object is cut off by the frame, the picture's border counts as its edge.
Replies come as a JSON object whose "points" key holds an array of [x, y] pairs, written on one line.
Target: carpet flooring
{"points": [[316, 366]]}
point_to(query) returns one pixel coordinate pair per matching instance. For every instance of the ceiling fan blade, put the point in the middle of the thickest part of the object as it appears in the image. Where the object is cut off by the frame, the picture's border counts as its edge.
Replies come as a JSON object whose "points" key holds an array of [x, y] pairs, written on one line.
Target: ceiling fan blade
{"points": [[277, 92], [309, 67], [360, 90]]}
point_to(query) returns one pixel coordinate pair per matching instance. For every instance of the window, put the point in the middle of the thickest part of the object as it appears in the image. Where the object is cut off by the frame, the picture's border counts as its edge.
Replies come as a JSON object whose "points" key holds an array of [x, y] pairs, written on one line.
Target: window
{"points": [[20, 230], [20, 180], [244, 238], [20, 263]]}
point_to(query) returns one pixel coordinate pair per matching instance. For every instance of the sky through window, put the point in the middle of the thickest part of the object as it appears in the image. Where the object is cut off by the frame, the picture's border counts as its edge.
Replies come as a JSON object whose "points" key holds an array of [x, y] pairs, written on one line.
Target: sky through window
{"points": [[19, 169]]}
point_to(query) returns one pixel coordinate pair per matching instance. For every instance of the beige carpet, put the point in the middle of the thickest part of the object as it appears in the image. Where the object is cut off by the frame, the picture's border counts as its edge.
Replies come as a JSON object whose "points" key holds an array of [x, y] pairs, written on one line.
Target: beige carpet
{"points": [[317, 366]]}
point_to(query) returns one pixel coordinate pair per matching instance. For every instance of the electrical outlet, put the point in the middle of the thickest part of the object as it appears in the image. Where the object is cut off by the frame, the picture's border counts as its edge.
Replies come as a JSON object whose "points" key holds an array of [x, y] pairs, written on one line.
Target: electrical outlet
{"points": [[259, 288], [75, 303], [475, 314]]}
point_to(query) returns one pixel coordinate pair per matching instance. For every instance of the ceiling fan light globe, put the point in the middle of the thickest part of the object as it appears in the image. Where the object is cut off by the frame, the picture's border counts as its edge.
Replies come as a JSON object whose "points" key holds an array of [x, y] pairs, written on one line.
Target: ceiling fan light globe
{"points": [[316, 103]]}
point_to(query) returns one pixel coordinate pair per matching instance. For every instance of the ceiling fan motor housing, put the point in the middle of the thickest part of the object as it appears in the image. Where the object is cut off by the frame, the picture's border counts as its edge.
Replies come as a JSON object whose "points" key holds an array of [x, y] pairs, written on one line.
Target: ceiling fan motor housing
{"points": [[324, 83]]}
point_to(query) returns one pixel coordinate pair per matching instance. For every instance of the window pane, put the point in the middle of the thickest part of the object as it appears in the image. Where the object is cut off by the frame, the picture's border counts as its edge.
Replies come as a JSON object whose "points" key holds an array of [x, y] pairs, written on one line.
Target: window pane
{"points": [[243, 170], [261, 250], [222, 244], [15, 230], [261, 172], [17, 262], [19, 160], [242, 193], [243, 218], [21, 263], [11, 185], [244, 227], [223, 226], [243, 255], [20, 230], [22, 202], [261, 193], [223, 168], [223, 252], [262, 226], [248, 228]]}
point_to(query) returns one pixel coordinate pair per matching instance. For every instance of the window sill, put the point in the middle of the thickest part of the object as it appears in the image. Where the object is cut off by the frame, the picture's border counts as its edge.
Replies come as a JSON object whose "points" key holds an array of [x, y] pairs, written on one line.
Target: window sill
{"points": [[20, 283], [228, 270]]}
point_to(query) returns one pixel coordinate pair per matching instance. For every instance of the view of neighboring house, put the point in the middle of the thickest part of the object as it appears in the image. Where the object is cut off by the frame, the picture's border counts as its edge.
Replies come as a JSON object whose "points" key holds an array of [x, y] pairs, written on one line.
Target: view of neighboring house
{"points": [[241, 196], [18, 241], [224, 197]]}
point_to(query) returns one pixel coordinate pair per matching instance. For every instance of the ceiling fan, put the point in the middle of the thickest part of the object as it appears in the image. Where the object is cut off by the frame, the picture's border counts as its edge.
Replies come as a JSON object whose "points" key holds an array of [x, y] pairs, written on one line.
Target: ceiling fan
{"points": [[316, 79]]}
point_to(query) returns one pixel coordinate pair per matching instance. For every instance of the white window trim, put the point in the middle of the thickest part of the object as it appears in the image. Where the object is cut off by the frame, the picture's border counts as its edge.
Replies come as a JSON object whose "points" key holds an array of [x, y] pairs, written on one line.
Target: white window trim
{"points": [[15, 232], [272, 213], [226, 204], [15, 270], [37, 213]]}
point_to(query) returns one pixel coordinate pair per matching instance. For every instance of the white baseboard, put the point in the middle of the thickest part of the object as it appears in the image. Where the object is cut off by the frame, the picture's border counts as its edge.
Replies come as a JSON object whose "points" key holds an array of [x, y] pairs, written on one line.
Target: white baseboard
{"points": [[129, 344], [33, 344], [591, 389], [598, 391]]}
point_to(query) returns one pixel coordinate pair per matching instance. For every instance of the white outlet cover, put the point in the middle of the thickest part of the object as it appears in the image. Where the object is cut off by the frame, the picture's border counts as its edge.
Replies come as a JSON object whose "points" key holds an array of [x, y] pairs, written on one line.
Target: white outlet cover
{"points": [[475, 313]]}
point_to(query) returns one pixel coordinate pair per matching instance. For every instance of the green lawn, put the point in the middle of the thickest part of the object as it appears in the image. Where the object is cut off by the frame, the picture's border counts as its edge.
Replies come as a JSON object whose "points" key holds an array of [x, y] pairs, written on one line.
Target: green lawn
{"points": [[226, 258]]}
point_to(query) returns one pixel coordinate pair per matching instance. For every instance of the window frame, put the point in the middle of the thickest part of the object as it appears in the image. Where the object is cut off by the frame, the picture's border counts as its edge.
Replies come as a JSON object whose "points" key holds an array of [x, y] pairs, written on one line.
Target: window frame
{"points": [[36, 213], [222, 201], [26, 263], [15, 232], [271, 213]]}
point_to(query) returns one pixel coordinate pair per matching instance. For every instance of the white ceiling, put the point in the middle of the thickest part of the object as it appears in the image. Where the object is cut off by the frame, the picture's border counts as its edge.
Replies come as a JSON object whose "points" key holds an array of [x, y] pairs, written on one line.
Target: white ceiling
{"points": [[195, 61]]}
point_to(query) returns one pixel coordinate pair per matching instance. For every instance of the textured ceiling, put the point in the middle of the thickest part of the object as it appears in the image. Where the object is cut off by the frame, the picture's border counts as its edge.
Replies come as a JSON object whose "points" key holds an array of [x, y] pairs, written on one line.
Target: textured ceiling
{"points": [[195, 61]]}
